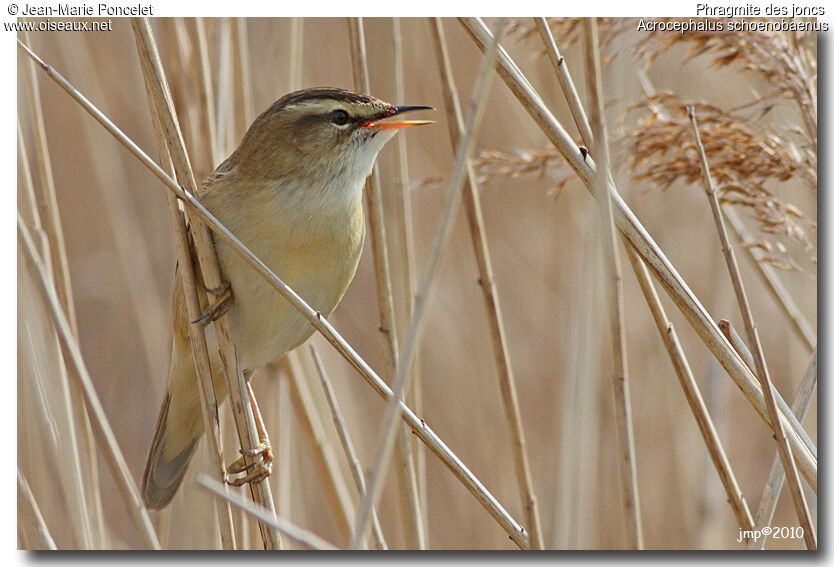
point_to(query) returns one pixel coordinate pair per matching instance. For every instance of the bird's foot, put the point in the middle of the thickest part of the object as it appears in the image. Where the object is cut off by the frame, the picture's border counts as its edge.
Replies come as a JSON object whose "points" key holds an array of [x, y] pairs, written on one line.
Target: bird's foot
{"points": [[219, 307], [257, 470]]}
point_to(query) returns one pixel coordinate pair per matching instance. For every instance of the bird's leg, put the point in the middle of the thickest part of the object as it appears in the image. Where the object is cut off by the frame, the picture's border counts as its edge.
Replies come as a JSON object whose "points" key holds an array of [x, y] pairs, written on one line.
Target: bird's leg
{"points": [[260, 469], [218, 308]]}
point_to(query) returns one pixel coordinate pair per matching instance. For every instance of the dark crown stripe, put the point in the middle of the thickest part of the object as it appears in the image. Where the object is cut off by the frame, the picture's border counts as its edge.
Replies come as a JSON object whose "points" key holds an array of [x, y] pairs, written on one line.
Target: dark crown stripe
{"points": [[326, 93]]}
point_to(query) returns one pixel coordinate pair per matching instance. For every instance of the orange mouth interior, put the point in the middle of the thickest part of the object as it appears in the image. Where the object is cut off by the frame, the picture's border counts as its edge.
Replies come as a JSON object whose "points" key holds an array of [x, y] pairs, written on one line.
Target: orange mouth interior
{"points": [[395, 124]]}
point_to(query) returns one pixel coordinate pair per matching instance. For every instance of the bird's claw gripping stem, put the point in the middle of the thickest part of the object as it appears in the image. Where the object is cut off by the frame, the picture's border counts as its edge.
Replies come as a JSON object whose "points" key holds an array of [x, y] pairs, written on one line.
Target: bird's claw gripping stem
{"points": [[218, 308], [258, 469]]}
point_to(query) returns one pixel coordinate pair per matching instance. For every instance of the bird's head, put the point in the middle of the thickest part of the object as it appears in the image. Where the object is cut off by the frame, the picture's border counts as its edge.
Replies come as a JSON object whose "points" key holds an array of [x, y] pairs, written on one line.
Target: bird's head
{"points": [[321, 132]]}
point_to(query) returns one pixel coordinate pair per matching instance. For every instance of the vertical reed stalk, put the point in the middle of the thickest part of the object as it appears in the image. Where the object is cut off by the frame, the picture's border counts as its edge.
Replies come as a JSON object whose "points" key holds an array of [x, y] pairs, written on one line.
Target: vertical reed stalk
{"points": [[347, 445], [693, 394], [263, 515], [333, 484], [185, 81], [486, 281], [382, 451], [47, 199], [286, 450], [776, 478], [417, 425], [243, 77], [406, 475], [244, 538], [772, 282], [616, 309], [649, 251], [580, 118], [151, 67], [205, 92], [238, 394], [405, 251], [785, 452], [27, 203], [579, 486], [226, 86]]}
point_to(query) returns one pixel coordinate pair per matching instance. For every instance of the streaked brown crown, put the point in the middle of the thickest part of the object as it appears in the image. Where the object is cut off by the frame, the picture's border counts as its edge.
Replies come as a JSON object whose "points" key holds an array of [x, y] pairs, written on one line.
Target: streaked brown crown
{"points": [[329, 93]]}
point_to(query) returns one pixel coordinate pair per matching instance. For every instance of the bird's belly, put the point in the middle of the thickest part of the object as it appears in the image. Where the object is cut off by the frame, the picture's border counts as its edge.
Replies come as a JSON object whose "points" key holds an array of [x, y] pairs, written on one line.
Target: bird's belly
{"points": [[264, 324]]}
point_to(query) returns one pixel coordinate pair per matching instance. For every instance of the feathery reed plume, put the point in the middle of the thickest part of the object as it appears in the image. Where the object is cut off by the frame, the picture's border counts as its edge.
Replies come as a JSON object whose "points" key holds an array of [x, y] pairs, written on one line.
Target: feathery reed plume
{"points": [[567, 31], [785, 60], [743, 165]]}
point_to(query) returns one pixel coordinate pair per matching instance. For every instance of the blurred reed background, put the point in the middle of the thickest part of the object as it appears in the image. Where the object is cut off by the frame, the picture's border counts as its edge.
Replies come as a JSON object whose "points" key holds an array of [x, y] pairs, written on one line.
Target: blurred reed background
{"points": [[543, 233]]}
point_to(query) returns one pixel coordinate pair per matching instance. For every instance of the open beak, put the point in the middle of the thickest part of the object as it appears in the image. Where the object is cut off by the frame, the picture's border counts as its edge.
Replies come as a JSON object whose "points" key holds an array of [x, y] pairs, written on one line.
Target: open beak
{"points": [[385, 124]]}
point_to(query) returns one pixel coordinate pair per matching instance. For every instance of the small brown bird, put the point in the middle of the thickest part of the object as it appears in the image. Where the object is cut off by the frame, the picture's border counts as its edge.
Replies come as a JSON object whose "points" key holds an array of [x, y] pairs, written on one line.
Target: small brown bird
{"points": [[292, 193]]}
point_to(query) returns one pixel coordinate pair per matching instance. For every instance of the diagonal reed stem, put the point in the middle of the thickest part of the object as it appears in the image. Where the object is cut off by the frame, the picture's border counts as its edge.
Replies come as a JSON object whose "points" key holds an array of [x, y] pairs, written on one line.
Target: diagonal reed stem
{"points": [[794, 483], [616, 309], [333, 484], [692, 393], [772, 282], [566, 82], [48, 201], [49, 212], [106, 440], [650, 252], [347, 445], [776, 478], [28, 510], [277, 523], [404, 222], [486, 281], [188, 281], [406, 474], [76, 450], [417, 425], [238, 394], [424, 294]]}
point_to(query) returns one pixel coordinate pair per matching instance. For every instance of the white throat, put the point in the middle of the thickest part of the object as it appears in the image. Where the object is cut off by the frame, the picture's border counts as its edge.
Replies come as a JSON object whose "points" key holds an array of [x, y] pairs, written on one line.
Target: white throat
{"points": [[343, 187], [338, 189]]}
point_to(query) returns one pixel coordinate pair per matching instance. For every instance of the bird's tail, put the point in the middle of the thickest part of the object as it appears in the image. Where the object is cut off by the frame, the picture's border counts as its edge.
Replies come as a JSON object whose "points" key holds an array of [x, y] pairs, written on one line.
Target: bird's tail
{"points": [[168, 459]]}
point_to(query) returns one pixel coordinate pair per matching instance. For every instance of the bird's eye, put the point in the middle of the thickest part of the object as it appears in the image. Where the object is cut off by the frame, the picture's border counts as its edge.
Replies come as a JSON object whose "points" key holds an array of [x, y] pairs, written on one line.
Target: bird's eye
{"points": [[339, 117]]}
